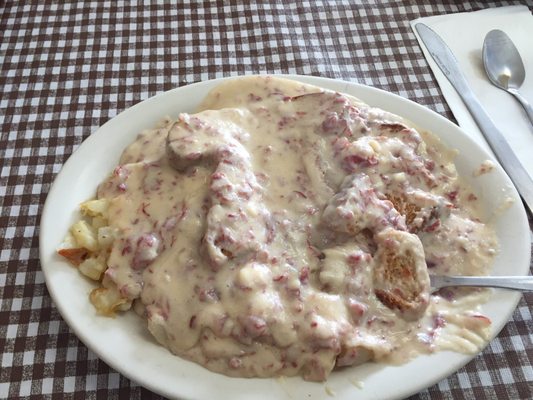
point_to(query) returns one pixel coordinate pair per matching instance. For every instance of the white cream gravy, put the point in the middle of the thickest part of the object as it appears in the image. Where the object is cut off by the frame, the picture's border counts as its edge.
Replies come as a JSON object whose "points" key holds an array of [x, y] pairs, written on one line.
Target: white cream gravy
{"points": [[246, 233]]}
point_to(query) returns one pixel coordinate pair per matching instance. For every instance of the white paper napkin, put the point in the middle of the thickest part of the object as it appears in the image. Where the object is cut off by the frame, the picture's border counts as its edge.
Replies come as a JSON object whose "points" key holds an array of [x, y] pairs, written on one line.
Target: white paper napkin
{"points": [[464, 34]]}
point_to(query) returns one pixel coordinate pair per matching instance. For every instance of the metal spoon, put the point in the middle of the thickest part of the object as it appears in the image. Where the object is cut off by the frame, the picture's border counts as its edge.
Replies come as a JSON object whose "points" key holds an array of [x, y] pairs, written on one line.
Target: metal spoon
{"points": [[504, 66], [524, 283]]}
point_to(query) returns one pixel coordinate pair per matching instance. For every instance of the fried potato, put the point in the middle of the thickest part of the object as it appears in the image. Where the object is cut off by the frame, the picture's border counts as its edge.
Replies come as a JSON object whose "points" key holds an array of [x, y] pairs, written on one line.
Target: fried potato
{"points": [[85, 235], [95, 208], [107, 301], [93, 268]]}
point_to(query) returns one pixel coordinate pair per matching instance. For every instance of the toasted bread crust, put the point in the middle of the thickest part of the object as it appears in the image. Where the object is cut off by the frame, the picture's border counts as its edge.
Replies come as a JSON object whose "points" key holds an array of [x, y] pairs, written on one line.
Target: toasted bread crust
{"points": [[401, 280], [405, 208]]}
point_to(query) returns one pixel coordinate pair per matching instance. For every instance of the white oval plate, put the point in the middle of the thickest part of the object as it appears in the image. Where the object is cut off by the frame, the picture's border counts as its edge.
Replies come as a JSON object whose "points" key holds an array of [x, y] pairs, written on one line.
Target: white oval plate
{"points": [[125, 344]]}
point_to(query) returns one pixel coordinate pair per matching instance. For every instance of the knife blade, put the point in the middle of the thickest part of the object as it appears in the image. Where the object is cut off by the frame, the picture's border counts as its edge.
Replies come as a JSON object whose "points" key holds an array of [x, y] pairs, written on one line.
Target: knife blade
{"points": [[444, 58]]}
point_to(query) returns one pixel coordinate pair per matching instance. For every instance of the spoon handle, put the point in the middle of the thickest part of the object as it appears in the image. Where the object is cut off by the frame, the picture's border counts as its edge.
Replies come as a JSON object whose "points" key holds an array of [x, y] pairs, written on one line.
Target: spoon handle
{"points": [[524, 102], [524, 283]]}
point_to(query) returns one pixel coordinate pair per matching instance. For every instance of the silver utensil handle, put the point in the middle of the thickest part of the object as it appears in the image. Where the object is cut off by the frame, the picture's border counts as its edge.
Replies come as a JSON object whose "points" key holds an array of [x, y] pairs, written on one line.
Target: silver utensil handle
{"points": [[501, 148], [524, 103], [524, 283], [444, 58]]}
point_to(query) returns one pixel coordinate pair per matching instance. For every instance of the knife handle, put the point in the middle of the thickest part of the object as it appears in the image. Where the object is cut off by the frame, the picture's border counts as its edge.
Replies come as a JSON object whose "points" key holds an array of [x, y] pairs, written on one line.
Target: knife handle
{"points": [[519, 176]]}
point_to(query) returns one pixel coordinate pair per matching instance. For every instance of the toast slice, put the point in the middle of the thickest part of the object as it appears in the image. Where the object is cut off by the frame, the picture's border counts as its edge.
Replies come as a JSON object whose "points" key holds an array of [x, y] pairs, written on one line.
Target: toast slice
{"points": [[400, 276]]}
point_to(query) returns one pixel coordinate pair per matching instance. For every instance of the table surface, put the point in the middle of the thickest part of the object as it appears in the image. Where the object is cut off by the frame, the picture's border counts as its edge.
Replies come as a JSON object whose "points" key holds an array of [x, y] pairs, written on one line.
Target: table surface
{"points": [[68, 67]]}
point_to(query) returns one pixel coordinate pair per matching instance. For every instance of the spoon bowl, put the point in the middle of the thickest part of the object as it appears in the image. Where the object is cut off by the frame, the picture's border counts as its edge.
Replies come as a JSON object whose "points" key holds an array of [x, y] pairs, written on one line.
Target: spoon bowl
{"points": [[502, 62], [504, 66]]}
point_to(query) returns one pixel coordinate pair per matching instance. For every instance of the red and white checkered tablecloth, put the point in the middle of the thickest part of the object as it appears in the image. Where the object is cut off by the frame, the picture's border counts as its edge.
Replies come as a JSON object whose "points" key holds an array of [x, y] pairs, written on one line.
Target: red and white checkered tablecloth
{"points": [[69, 66]]}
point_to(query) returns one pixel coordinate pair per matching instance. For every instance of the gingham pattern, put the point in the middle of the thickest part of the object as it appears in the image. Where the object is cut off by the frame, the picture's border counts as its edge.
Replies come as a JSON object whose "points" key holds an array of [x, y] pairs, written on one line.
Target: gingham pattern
{"points": [[67, 67]]}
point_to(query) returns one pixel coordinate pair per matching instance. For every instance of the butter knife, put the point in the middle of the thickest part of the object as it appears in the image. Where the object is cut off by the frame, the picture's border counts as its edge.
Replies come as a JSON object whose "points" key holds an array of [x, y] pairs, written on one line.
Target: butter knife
{"points": [[448, 64]]}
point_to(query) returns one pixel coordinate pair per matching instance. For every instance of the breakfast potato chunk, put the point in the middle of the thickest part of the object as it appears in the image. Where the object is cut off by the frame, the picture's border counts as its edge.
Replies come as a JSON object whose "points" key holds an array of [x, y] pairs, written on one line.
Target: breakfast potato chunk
{"points": [[94, 208], [93, 268], [85, 235], [107, 301]]}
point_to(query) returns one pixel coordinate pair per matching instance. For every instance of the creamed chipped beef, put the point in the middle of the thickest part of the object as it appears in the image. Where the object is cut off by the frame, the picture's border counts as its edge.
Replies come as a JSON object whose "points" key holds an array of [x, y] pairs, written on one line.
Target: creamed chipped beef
{"points": [[288, 230]]}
